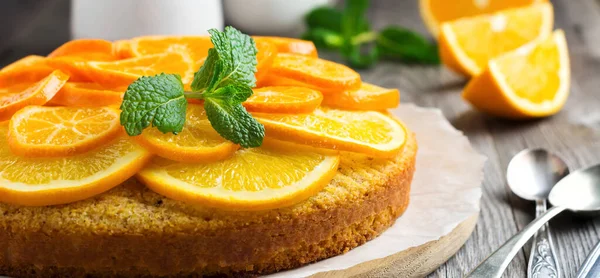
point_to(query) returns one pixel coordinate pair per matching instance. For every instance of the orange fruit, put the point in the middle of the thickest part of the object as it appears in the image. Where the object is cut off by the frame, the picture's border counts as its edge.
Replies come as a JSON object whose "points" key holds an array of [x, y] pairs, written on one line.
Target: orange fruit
{"points": [[87, 49], [75, 67], [283, 100], [368, 97], [124, 72], [290, 45], [436, 12], [466, 45], [86, 94], [264, 58], [368, 132], [122, 49], [39, 131], [252, 179], [195, 46], [60, 180], [532, 81], [197, 142], [18, 96], [317, 72], [29, 69]]}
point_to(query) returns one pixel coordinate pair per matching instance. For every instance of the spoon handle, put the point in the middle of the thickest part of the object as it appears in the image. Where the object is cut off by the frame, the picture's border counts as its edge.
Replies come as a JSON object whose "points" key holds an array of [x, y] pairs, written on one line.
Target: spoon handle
{"points": [[591, 267], [493, 266], [543, 261]]}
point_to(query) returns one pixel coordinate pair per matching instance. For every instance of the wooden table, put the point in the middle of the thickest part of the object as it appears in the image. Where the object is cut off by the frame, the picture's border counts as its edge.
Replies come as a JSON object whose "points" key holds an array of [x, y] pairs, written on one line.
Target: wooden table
{"points": [[39, 26]]}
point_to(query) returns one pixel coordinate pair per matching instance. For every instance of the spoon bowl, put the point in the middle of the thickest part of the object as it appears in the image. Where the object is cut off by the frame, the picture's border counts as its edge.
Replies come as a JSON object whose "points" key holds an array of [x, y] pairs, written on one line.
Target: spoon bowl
{"points": [[532, 173], [579, 191]]}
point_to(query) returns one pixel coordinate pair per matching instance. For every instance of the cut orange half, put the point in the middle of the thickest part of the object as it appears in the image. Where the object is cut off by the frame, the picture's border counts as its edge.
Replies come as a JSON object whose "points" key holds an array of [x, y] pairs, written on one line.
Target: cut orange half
{"points": [[368, 97], [317, 72], [197, 142], [39, 131], [368, 132], [284, 100], [85, 95], [124, 72], [436, 12], [16, 97], [466, 45], [252, 179], [61, 180], [532, 81]]}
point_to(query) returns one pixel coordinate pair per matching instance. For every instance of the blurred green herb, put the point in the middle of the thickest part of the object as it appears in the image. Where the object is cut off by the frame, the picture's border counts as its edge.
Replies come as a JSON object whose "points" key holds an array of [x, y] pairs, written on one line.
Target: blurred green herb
{"points": [[348, 32]]}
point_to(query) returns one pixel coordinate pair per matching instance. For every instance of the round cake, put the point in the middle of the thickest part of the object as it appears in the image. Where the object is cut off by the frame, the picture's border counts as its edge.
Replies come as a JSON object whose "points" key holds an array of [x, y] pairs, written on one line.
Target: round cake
{"points": [[131, 231]]}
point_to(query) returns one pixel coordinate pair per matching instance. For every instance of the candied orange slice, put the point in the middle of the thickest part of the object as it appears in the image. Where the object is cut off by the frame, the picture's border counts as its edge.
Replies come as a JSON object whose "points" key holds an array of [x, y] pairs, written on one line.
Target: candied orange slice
{"points": [[368, 132], [124, 72], [86, 95], [368, 97], [75, 67], [86, 49], [13, 98], [467, 44], [196, 47], [317, 72], [532, 81], [290, 45], [197, 142], [29, 69], [264, 58], [284, 100], [39, 131], [122, 49], [60, 180], [251, 179]]}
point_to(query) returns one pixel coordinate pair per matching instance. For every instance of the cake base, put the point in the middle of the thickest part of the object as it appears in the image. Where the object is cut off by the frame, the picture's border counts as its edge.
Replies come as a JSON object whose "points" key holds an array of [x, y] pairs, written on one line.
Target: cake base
{"points": [[132, 232]]}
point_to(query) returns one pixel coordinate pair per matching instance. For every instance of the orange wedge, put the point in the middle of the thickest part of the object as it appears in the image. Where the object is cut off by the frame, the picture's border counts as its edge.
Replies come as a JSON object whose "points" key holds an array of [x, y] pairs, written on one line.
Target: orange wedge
{"points": [[290, 45], [39, 131], [124, 72], [52, 181], [317, 72], [466, 45], [436, 12], [87, 49], [86, 94], [368, 97], [368, 132], [252, 179], [16, 97], [198, 142], [30, 69], [532, 81], [284, 100]]}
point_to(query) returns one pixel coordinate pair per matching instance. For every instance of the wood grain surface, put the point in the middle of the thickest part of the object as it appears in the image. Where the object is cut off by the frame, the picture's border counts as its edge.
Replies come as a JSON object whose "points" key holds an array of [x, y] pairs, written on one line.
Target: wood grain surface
{"points": [[37, 26]]}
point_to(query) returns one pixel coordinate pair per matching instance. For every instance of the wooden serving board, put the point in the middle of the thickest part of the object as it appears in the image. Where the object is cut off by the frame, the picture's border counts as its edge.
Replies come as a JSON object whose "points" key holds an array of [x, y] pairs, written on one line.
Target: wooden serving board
{"points": [[413, 262]]}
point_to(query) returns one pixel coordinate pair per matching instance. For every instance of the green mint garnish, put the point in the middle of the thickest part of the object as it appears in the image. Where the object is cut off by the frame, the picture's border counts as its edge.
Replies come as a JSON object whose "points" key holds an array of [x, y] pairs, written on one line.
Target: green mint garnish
{"points": [[224, 81], [349, 32]]}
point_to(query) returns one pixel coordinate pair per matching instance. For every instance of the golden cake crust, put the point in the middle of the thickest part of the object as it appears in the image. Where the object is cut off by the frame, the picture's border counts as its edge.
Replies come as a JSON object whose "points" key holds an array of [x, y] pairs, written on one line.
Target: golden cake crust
{"points": [[132, 231]]}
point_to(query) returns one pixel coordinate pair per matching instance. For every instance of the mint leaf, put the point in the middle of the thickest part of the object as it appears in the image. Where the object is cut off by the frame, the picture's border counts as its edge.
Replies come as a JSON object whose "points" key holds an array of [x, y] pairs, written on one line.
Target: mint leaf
{"points": [[354, 21], [233, 93], [156, 100], [233, 122], [237, 56], [324, 38], [325, 18], [209, 74], [399, 43]]}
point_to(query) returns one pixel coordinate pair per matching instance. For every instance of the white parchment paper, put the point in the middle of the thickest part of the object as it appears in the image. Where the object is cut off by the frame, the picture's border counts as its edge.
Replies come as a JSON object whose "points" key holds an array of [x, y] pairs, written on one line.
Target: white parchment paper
{"points": [[445, 191]]}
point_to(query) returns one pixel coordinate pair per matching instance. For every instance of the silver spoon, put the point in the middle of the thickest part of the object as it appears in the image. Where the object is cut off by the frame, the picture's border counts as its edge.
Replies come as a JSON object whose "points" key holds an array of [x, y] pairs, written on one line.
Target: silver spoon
{"points": [[578, 192], [531, 174]]}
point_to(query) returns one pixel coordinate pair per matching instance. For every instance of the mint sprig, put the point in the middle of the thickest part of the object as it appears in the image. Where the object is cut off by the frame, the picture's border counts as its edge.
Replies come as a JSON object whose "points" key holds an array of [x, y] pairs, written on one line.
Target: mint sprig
{"points": [[224, 81], [349, 32]]}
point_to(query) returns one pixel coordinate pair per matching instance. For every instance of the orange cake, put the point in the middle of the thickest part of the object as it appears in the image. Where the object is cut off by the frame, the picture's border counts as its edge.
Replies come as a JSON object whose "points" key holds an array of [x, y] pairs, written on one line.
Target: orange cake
{"points": [[142, 168]]}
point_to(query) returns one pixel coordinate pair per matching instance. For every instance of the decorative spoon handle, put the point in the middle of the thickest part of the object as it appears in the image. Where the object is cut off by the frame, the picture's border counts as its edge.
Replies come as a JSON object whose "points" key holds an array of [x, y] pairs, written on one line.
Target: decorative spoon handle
{"points": [[591, 266], [543, 261], [494, 265]]}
